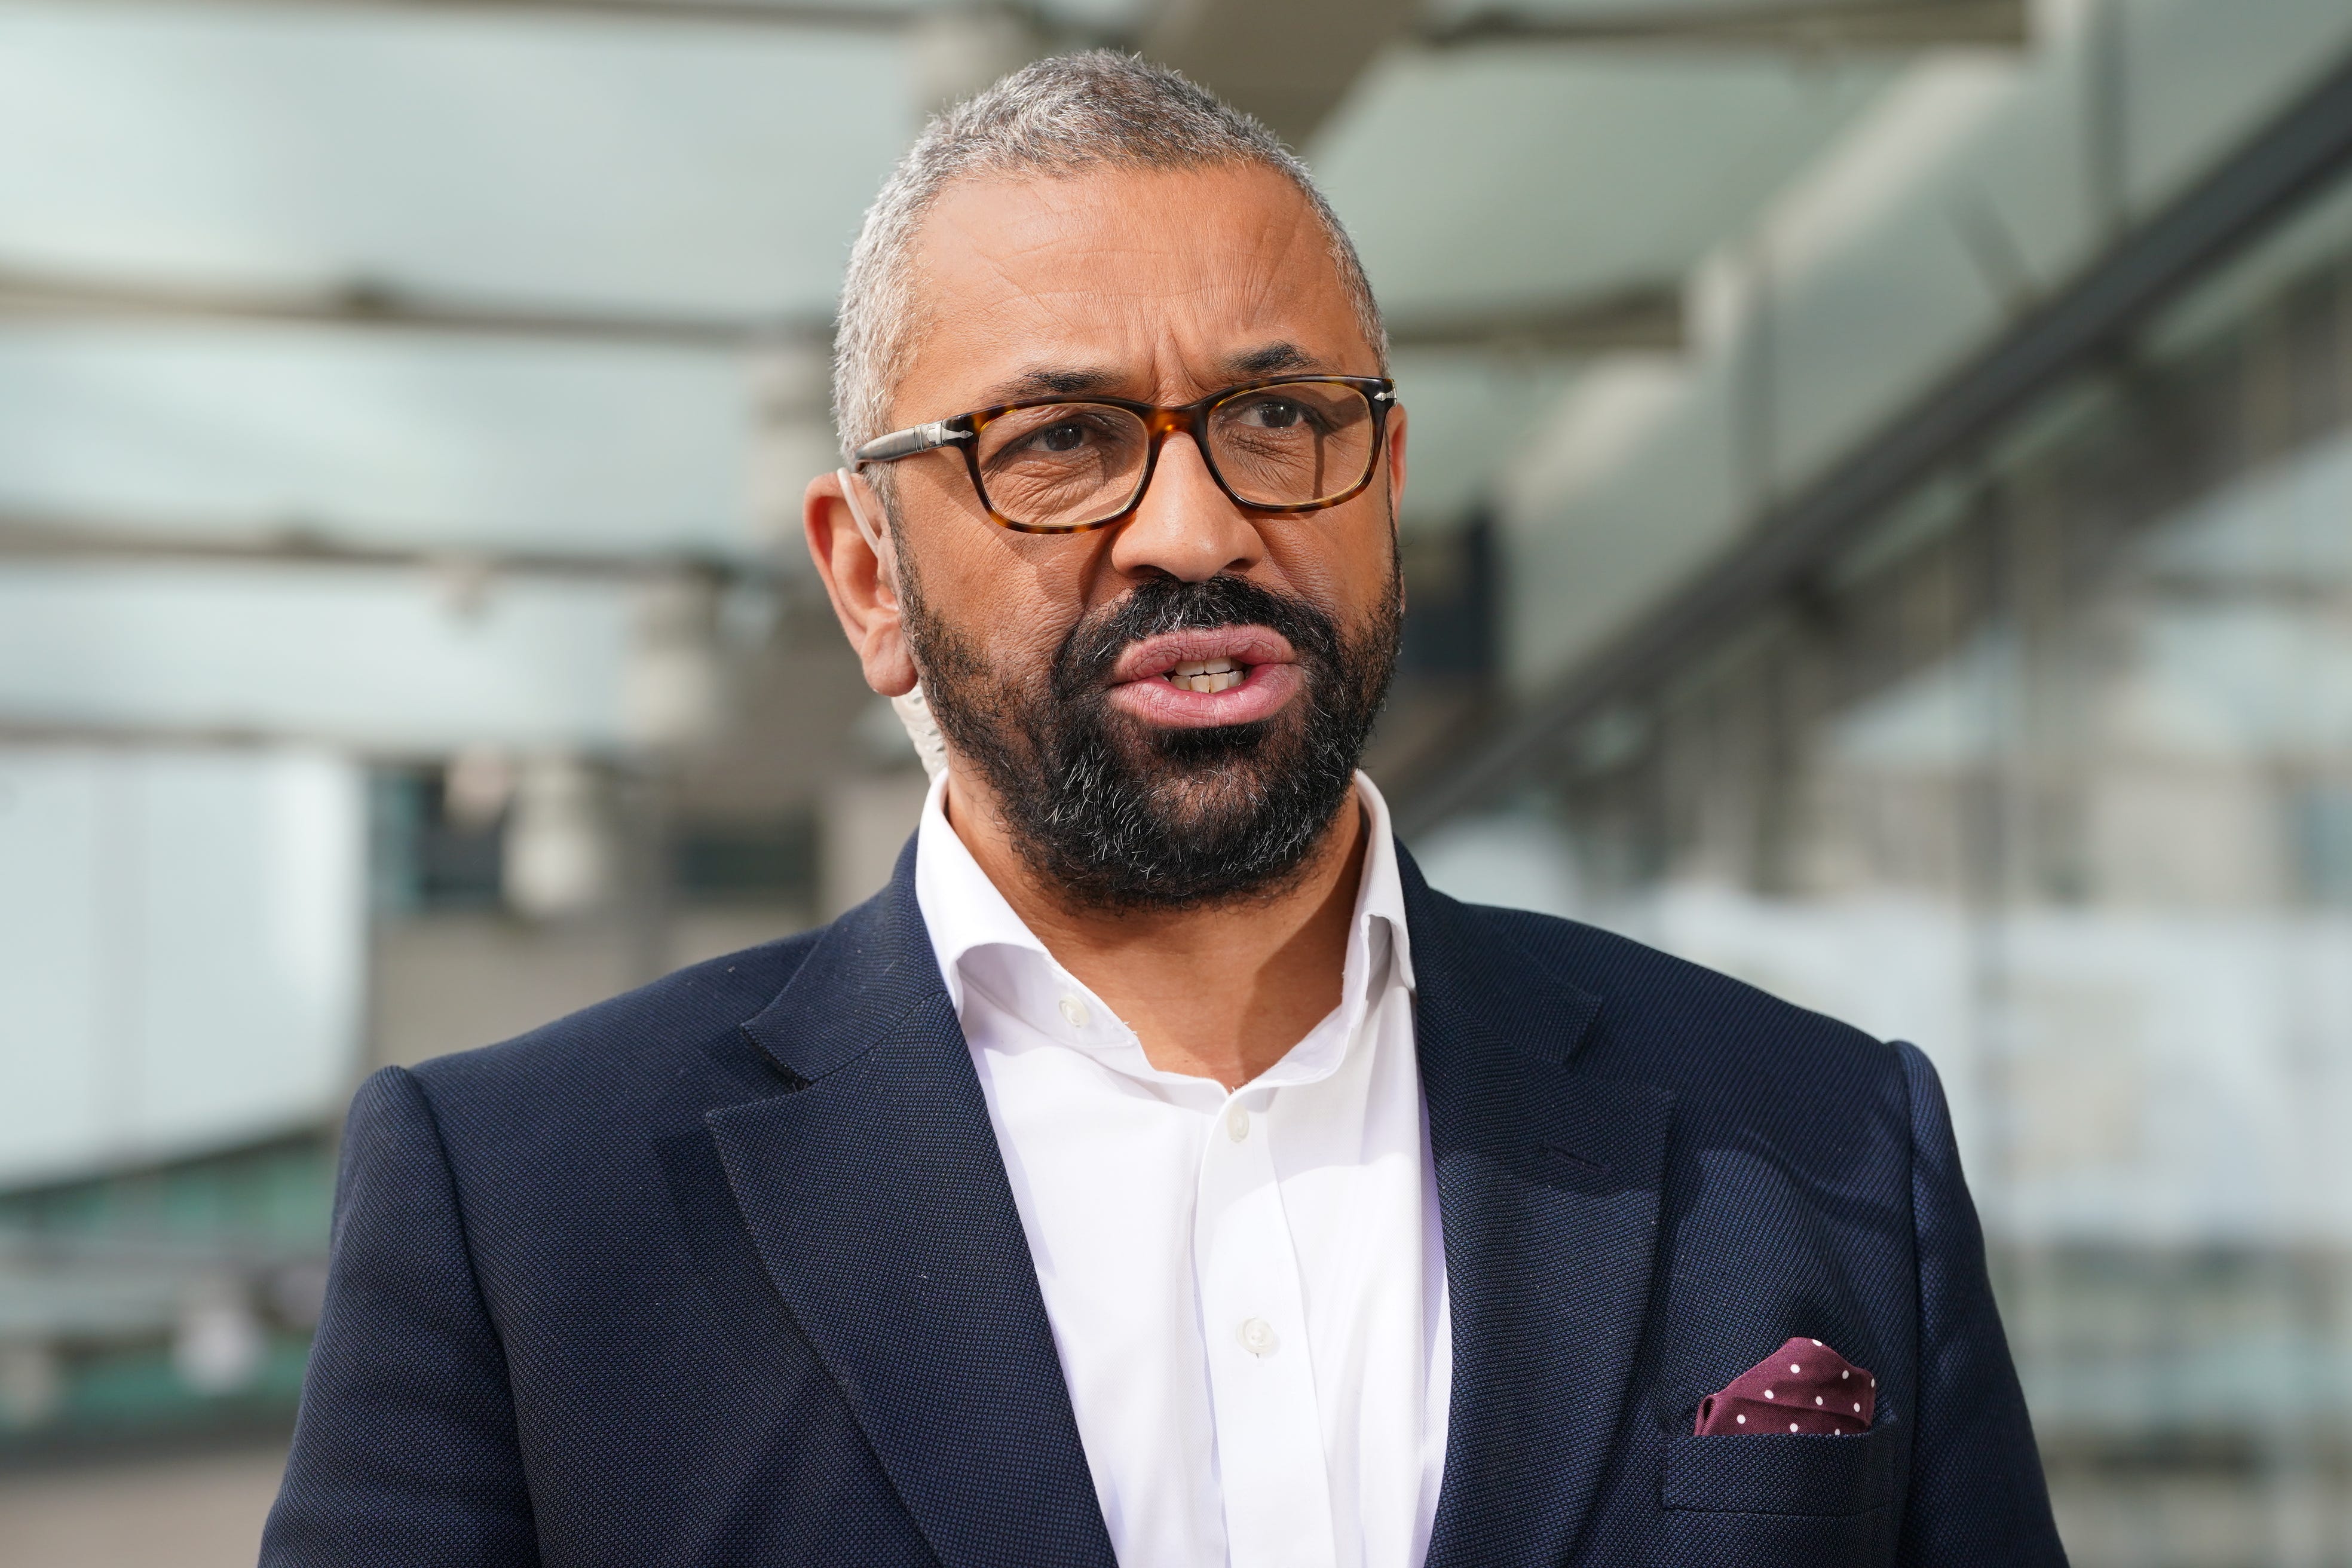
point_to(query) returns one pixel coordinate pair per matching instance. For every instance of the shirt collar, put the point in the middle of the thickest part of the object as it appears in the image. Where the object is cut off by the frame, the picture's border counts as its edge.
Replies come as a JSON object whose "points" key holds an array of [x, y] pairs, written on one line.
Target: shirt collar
{"points": [[965, 914], [962, 907], [1381, 895]]}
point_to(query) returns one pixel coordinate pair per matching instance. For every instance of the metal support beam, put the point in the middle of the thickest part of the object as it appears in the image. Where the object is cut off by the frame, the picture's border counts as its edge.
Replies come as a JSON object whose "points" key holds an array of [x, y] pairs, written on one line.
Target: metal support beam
{"points": [[1643, 316], [34, 295], [849, 17], [1291, 84], [2090, 321], [1804, 24], [48, 536], [1640, 316]]}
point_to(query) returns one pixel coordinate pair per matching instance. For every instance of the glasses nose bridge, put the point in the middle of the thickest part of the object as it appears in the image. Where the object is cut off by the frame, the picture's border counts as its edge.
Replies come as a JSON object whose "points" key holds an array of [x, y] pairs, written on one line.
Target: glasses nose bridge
{"points": [[1190, 419], [1165, 422]]}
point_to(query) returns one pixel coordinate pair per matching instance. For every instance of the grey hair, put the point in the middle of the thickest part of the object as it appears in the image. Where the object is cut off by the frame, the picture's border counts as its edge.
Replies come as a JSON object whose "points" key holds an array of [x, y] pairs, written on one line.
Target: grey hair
{"points": [[1060, 116]]}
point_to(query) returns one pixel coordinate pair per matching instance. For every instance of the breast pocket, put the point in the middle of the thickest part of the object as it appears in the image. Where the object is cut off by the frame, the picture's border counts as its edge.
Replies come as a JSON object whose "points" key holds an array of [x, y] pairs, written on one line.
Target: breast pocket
{"points": [[1759, 1500]]}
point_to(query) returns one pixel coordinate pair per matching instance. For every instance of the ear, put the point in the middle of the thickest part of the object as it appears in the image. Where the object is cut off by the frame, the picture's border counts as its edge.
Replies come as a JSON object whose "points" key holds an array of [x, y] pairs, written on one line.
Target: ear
{"points": [[860, 577], [1392, 461], [1392, 456]]}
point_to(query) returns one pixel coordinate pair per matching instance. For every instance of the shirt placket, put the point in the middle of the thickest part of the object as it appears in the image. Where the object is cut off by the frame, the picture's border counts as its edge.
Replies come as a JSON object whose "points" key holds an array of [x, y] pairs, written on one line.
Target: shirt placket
{"points": [[1270, 1461]]}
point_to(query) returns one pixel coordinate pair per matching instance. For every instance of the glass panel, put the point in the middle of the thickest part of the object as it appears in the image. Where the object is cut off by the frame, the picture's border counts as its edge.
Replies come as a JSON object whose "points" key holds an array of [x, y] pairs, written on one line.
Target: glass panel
{"points": [[182, 944], [2055, 777]]}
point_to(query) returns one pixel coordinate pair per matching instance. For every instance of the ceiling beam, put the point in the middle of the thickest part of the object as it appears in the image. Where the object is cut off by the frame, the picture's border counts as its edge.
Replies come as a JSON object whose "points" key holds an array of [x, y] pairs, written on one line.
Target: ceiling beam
{"points": [[850, 18], [1288, 62], [27, 294], [1804, 24], [33, 535], [1643, 316], [1289, 83]]}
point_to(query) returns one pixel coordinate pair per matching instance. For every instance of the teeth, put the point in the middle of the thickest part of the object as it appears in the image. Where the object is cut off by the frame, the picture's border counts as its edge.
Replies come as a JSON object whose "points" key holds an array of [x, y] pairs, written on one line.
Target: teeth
{"points": [[1207, 675]]}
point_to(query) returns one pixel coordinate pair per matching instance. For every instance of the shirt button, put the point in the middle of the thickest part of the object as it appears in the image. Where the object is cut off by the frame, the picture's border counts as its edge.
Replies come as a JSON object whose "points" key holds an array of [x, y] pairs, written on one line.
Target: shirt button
{"points": [[1237, 1125], [1074, 1011], [1257, 1336]]}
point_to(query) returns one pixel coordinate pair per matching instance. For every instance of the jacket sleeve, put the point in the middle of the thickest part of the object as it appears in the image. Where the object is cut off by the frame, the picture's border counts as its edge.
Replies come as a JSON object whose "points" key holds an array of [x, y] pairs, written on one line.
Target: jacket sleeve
{"points": [[1977, 1494], [405, 1448]]}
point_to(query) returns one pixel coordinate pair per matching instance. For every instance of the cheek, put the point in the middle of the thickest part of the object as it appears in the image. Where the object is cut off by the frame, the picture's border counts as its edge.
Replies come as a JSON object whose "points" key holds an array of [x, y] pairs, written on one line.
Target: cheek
{"points": [[1349, 567], [1010, 609]]}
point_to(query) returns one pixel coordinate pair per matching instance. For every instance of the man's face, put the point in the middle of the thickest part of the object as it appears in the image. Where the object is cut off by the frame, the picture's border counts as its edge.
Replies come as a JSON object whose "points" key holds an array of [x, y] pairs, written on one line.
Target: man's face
{"points": [[1047, 658]]}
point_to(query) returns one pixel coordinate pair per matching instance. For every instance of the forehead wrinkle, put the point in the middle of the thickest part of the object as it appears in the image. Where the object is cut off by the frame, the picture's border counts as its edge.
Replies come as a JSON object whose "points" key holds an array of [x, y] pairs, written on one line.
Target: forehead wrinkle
{"points": [[945, 293], [1254, 269], [1275, 294], [1111, 281], [1135, 365], [1147, 309]]}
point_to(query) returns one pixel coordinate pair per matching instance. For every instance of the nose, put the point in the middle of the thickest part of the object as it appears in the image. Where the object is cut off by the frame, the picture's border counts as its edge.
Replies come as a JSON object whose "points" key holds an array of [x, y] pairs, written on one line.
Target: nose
{"points": [[1186, 527]]}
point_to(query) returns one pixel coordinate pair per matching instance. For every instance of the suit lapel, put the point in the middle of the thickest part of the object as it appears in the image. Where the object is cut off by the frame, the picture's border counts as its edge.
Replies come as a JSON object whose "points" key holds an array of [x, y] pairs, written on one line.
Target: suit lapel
{"points": [[878, 1202], [1547, 1182]]}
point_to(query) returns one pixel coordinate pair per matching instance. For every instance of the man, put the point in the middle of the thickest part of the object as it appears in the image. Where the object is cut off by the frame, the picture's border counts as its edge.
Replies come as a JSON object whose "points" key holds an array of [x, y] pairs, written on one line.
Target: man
{"points": [[1158, 1171]]}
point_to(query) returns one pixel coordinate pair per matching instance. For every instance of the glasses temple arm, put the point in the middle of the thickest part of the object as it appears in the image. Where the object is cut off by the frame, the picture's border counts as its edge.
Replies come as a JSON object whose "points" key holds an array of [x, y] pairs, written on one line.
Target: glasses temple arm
{"points": [[907, 443]]}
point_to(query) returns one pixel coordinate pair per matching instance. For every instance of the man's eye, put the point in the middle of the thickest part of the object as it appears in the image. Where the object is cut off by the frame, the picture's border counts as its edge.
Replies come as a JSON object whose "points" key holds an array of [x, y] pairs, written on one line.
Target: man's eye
{"points": [[1061, 439], [1275, 413]]}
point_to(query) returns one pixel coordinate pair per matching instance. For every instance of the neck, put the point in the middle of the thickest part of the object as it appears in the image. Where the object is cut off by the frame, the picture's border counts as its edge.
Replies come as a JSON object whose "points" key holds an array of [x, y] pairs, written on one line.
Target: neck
{"points": [[1220, 991]]}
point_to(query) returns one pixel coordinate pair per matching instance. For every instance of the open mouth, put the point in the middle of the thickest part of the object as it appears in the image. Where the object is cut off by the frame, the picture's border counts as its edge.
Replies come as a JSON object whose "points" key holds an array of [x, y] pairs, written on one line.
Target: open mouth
{"points": [[1207, 675], [1206, 659]]}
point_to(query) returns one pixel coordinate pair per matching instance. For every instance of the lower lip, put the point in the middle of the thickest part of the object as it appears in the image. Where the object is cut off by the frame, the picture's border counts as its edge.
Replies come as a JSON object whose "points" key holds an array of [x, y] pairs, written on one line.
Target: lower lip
{"points": [[1261, 695]]}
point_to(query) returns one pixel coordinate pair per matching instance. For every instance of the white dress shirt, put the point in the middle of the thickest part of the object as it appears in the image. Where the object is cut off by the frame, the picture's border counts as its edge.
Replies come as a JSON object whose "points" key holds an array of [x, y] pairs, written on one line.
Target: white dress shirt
{"points": [[1247, 1290]]}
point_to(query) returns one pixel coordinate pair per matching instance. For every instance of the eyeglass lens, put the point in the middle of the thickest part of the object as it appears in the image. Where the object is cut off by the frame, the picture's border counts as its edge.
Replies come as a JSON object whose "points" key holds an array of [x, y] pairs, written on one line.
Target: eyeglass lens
{"points": [[1066, 464]]}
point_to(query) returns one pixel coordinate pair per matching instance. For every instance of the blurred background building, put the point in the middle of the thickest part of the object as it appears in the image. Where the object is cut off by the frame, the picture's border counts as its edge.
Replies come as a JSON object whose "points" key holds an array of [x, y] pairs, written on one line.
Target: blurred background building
{"points": [[1881, 524]]}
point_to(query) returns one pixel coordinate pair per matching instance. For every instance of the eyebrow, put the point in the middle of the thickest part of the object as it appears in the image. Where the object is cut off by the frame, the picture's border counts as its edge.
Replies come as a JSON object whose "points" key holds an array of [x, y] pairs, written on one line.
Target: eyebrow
{"points": [[1278, 358], [1049, 382]]}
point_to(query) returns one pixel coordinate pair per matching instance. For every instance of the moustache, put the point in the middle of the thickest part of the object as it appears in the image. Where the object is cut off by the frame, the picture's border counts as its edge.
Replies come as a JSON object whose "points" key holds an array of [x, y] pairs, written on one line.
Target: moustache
{"points": [[1084, 662]]}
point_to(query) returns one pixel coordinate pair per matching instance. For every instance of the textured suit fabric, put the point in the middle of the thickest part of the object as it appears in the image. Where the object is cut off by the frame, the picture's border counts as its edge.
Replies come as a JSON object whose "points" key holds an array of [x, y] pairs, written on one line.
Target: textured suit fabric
{"points": [[727, 1271]]}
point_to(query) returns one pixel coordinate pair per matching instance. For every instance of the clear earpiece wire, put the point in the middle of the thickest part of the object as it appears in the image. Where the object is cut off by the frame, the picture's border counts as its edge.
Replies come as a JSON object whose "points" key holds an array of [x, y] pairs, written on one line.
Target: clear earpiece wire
{"points": [[914, 711]]}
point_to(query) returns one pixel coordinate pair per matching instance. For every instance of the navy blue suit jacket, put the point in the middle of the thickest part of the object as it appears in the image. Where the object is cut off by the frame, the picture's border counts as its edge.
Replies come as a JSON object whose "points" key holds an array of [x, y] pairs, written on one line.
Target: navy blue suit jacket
{"points": [[727, 1271]]}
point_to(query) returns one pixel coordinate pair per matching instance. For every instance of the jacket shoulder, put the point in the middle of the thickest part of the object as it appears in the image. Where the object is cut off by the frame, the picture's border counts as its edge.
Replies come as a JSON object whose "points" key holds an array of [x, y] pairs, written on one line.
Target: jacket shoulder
{"points": [[632, 1043], [1687, 1027]]}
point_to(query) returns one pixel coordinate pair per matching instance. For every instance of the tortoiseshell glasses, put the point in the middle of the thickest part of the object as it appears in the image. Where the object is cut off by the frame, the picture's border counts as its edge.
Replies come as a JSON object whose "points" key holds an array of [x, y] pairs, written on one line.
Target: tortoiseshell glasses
{"points": [[1052, 464]]}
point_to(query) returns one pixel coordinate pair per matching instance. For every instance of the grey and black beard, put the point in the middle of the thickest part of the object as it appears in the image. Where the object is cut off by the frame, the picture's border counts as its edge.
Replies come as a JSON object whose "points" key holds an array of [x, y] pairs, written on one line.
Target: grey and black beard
{"points": [[1120, 814]]}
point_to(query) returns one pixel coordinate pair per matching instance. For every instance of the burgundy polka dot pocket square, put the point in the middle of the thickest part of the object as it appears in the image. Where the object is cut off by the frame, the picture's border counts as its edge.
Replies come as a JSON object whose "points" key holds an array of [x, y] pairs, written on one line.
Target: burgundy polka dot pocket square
{"points": [[1804, 1387]]}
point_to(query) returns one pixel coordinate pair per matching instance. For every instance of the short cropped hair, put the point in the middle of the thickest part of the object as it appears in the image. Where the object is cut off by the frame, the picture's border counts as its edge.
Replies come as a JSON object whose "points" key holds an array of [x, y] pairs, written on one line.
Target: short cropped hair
{"points": [[1063, 116]]}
